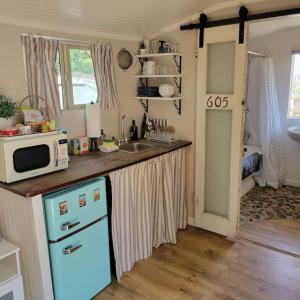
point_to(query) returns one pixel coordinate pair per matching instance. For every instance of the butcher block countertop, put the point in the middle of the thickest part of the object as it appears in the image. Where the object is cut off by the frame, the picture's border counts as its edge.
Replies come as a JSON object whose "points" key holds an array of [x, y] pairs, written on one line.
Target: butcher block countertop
{"points": [[88, 166]]}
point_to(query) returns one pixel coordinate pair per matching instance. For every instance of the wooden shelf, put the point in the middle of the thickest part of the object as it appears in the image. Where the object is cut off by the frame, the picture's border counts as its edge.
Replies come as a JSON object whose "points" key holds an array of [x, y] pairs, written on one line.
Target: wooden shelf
{"points": [[157, 55], [158, 76], [159, 98]]}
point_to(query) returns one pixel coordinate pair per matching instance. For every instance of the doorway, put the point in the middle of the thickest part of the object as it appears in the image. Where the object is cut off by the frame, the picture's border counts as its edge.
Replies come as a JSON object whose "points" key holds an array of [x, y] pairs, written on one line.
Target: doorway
{"points": [[270, 187]]}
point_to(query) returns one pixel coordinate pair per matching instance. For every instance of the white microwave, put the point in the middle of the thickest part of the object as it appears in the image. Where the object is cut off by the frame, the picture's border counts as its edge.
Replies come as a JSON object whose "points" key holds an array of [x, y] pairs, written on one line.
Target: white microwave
{"points": [[31, 155]]}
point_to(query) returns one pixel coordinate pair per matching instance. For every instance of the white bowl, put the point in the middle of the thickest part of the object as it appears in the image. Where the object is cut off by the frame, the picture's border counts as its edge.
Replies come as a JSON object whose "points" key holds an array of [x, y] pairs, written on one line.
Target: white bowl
{"points": [[166, 90]]}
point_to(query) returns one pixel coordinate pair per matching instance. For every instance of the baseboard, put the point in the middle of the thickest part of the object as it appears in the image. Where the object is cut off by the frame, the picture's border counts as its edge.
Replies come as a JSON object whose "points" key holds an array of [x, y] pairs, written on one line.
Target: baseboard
{"points": [[191, 221], [292, 182]]}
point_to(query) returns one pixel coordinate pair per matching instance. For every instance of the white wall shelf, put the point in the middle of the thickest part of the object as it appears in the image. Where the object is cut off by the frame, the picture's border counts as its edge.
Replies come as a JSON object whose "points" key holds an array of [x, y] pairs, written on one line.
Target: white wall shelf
{"points": [[158, 76], [159, 98], [145, 102], [177, 78], [157, 55]]}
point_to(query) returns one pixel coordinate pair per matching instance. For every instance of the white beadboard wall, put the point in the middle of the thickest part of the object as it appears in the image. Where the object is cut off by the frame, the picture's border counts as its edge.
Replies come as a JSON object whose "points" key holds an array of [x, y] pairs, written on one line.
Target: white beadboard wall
{"points": [[17, 225]]}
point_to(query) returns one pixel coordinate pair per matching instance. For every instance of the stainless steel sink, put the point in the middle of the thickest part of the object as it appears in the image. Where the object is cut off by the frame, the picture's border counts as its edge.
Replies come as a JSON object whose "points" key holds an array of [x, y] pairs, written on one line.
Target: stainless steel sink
{"points": [[134, 147]]}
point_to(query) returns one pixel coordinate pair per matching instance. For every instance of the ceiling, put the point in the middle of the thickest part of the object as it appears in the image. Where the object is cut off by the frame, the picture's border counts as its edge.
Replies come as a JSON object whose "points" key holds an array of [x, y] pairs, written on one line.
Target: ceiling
{"points": [[121, 19], [130, 18], [262, 28]]}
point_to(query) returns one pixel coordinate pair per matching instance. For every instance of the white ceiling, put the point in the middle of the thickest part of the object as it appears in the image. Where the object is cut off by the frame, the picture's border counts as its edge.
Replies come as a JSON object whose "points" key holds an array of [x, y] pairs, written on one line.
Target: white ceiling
{"points": [[130, 18], [122, 19], [262, 28]]}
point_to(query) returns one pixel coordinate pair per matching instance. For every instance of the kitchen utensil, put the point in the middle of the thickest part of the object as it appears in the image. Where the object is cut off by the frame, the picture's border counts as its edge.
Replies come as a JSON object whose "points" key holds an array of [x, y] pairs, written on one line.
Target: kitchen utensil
{"points": [[162, 69], [166, 90], [24, 129], [147, 45], [149, 68], [124, 59], [174, 47], [148, 91], [167, 47], [161, 47], [143, 51], [154, 46]]}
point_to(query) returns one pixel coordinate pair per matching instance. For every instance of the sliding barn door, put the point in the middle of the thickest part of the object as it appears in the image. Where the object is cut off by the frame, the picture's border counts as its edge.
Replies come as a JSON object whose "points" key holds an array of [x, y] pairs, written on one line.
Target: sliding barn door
{"points": [[221, 79]]}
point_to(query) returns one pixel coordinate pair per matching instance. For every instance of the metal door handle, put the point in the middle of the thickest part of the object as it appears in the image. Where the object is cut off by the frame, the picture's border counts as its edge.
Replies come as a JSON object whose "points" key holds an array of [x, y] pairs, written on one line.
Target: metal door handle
{"points": [[71, 249], [56, 154], [68, 226]]}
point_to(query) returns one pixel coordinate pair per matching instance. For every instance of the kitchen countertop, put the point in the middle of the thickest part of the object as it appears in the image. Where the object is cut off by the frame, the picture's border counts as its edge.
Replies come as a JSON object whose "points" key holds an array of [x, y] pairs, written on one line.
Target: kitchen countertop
{"points": [[88, 166]]}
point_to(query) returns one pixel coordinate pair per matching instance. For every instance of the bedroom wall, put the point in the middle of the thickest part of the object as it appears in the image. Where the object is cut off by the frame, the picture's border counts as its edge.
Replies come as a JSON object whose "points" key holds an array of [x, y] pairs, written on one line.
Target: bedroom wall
{"points": [[279, 45], [13, 81]]}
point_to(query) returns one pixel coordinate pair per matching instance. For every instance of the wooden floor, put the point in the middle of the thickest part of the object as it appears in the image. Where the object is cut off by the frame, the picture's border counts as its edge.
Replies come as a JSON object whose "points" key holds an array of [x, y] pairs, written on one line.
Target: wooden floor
{"points": [[283, 234], [206, 266]]}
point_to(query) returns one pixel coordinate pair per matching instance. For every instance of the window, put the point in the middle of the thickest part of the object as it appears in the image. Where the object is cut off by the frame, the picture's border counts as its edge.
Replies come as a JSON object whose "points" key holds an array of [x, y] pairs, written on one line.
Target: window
{"points": [[294, 99], [76, 79]]}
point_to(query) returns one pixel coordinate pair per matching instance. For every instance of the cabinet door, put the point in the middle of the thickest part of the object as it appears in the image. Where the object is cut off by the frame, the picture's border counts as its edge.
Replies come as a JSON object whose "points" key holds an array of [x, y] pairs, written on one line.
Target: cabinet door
{"points": [[71, 209], [222, 64], [81, 264]]}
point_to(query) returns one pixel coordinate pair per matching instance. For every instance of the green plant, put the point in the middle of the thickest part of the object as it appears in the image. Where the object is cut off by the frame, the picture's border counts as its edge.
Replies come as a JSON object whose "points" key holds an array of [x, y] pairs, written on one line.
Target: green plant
{"points": [[7, 107]]}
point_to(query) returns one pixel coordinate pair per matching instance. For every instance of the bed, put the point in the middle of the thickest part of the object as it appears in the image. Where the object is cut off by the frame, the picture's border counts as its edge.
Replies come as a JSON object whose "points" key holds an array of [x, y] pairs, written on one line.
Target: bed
{"points": [[252, 163]]}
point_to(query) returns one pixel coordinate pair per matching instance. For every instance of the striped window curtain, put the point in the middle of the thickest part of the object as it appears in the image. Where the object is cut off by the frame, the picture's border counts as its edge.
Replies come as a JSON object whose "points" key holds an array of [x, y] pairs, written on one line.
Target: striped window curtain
{"points": [[105, 77], [148, 207], [41, 75]]}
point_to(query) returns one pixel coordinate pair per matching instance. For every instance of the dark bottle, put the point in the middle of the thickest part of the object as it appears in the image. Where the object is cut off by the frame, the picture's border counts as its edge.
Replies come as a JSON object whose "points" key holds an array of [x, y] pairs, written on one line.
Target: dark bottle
{"points": [[134, 132]]}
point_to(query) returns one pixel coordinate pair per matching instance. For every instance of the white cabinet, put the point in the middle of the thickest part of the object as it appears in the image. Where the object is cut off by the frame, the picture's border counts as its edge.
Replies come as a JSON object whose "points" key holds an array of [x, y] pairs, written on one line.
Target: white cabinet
{"points": [[11, 286]]}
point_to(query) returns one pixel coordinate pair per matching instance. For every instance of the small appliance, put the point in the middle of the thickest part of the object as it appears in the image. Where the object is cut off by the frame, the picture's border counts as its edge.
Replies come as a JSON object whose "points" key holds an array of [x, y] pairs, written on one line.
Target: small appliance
{"points": [[31, 155], [77, 230]]}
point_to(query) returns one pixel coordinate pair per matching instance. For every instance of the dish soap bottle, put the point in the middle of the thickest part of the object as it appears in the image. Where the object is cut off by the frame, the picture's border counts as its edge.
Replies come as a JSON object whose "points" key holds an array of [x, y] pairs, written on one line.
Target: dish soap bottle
{"points": [[133, 132]]}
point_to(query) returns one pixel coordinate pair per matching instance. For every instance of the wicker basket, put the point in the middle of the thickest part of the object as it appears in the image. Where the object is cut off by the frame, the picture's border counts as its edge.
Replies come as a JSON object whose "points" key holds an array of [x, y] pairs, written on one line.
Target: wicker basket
{"points": [[44, 108]]}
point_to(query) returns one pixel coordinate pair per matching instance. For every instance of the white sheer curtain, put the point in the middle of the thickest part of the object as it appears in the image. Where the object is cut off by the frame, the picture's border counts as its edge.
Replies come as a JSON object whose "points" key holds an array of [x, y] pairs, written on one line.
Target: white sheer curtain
{"points": [[263, 120], [42, 80], [148, 207], [105, 76]]}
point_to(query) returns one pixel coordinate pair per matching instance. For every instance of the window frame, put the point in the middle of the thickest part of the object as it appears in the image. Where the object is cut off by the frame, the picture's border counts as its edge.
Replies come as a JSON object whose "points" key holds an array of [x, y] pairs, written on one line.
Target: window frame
{"points": [[66, 75], [292, 117]]}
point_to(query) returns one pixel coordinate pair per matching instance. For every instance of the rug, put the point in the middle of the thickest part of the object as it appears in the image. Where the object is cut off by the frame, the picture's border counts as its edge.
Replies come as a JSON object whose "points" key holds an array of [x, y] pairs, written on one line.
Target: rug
{"points": [[263, 203]]}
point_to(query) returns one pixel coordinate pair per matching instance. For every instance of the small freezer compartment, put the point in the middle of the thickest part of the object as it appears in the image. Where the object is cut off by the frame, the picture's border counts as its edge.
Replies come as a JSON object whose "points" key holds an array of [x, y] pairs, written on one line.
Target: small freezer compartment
{"points": [[80, 263], [70, 210]]}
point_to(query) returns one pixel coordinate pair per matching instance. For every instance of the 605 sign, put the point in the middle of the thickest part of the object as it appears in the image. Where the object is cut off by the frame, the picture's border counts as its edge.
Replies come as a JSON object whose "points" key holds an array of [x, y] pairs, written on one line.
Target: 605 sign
{"points": [[217, 101]]}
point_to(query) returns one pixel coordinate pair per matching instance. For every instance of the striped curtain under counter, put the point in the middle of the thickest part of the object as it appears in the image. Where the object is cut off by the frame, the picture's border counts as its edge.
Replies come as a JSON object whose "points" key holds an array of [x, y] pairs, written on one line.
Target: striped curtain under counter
{"points": [[148, 207]]}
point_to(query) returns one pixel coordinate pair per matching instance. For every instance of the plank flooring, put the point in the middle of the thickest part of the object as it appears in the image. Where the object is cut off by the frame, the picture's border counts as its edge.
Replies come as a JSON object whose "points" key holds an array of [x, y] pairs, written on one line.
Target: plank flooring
{"points": [[203, 265], [283, 234]]}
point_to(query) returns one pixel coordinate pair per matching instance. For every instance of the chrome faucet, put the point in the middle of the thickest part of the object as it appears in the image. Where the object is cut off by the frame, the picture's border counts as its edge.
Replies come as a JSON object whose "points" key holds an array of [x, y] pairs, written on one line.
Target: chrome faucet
{"points": [[123, 139]]}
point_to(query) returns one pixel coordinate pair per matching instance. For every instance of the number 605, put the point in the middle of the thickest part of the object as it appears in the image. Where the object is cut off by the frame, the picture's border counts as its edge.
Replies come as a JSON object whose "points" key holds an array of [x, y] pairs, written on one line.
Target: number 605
{"points": [[217, 102]]}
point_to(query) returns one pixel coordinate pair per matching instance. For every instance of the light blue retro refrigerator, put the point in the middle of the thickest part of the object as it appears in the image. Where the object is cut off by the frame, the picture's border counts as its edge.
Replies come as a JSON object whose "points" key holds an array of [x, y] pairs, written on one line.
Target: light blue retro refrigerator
{"points": [[77, 229]]}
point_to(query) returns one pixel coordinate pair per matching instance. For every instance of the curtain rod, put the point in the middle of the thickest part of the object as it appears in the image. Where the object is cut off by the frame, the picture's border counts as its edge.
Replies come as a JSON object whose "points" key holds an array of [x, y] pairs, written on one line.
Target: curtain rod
{"points": [[66, 40], [60, 39]]}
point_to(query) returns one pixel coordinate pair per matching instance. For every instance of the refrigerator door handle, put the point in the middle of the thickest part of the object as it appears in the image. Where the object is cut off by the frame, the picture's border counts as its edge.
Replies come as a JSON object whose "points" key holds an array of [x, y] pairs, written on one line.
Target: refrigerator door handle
{"points": [[71, 249], [68, 226]]}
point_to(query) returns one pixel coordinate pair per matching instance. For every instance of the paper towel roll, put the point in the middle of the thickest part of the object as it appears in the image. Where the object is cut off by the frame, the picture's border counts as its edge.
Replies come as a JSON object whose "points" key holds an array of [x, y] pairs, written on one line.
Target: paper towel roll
{"points": [[92, 119]]}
